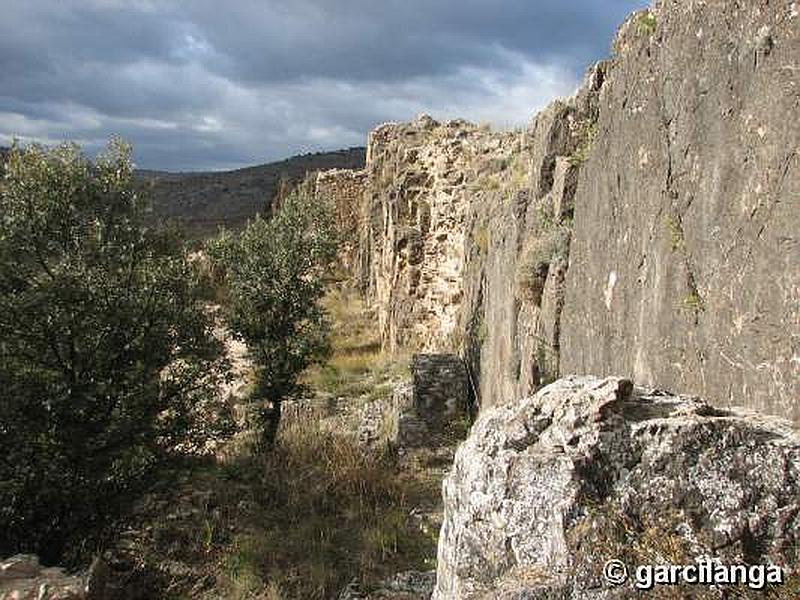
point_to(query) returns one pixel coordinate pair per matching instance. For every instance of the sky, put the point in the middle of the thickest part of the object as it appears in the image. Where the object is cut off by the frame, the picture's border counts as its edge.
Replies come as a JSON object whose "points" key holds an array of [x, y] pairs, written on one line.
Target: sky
{"points": [[211, 84]]}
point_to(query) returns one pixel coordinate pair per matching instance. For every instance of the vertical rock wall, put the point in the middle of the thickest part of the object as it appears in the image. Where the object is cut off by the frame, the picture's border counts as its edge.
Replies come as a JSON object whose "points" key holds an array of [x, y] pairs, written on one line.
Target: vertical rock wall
{"points": [[344, 188], [646, 226], [465, 239], [518, 250], [685, 263], [414, 226]]}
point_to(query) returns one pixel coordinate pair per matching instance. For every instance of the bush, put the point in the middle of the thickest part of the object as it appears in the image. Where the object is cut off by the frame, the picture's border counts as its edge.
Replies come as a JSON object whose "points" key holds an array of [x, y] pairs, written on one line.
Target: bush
{"points": [[104, 348], [273, 275], [534, 265], [646, 23]]}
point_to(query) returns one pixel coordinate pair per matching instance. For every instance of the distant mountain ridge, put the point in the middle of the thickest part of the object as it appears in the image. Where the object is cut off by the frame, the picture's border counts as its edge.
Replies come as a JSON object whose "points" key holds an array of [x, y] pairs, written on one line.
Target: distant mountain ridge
{"points": [[203, 202]]}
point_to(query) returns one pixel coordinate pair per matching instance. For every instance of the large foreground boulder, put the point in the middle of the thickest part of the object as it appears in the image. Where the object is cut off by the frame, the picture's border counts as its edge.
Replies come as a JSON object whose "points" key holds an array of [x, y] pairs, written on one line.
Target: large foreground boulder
{"points": [[545, 491]]}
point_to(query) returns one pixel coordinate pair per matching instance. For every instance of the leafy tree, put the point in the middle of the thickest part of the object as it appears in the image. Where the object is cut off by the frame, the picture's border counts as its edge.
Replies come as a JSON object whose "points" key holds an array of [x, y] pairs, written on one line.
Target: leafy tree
{"points": [[273, 275], [104, 347]]}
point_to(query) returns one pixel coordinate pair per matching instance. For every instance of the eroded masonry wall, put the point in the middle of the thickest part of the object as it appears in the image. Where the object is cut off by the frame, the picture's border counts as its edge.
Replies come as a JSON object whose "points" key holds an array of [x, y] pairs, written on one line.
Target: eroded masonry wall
{"points": [[344, 188], [464, 239], [414, 226], [645, 227]]}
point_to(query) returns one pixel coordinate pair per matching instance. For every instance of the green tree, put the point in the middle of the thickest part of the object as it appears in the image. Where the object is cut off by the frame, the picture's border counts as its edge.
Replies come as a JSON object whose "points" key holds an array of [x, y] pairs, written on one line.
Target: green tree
{"points": [[104, 347], [273, 275]]}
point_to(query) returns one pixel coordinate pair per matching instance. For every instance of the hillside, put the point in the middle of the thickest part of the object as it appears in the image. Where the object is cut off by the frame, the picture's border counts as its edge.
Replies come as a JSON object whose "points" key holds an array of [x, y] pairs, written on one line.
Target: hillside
{"points": [[207, 200]]}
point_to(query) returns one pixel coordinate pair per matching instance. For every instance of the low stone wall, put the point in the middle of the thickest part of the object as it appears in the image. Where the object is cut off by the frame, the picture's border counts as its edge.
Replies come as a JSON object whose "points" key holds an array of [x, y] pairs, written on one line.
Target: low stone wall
{"points": [[440, 389], [420, 412]]}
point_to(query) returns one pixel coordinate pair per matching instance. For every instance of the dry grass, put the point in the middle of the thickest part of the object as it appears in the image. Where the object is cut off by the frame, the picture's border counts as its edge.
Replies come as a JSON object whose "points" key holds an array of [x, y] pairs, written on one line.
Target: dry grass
{"points": [[322, 512], [357, 367]]}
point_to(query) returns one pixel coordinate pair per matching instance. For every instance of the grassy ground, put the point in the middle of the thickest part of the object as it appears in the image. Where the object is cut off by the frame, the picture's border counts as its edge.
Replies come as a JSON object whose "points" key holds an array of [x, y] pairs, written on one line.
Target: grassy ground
{"points": [[303, 520], [357, 368], [319, 513]]}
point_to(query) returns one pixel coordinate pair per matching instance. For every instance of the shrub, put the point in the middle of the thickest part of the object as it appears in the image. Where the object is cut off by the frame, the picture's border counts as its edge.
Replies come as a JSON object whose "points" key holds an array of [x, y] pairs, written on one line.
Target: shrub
{"points": [[694, 302], [481, 238], [273, 274], [675, 231], [586, 134], [104, 347], [538, 255], [646, 23]]}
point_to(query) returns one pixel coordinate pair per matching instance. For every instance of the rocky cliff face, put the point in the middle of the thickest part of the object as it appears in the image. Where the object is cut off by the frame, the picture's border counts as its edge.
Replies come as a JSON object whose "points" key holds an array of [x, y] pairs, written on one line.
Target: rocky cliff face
{"points": [[414, 227], [647, 225], [685, 263], [465, 237]]}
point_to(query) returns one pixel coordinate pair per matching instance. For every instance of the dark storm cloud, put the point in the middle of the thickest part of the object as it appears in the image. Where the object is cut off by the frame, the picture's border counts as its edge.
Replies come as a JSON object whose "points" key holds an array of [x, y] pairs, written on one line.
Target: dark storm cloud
{"points": [[200, 84], [403, 38]]}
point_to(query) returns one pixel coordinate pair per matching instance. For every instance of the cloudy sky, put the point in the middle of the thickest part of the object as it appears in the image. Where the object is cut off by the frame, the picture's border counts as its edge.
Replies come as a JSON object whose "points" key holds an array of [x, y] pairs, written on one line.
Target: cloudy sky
{"points": [[214, 84]]}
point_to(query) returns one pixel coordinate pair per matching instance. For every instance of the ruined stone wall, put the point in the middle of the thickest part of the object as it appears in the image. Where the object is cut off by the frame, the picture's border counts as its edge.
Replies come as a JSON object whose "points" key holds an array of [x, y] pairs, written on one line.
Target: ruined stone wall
{"points": [[645, 227], [465, 239], [345, 189], [414, 227], [422, 412]]}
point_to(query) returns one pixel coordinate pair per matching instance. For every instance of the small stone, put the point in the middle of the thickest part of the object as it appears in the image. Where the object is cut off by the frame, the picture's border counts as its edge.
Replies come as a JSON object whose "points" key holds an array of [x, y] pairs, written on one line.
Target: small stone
{"points": [[21, 566]]}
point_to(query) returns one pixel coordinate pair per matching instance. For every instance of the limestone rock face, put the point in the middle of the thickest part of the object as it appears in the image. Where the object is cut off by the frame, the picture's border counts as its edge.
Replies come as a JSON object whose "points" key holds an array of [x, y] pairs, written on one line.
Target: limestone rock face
{"points": [[414, 227], [684, 265], [452, 213], [344, 188], [463, 238], [547, 489]]}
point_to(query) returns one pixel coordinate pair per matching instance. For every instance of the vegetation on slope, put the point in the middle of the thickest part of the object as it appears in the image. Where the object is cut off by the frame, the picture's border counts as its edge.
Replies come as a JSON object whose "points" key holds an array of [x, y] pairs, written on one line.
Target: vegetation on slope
{"points": [[203, 202], [112, 362], [106, 352], [272, 275], [312, 514]]}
